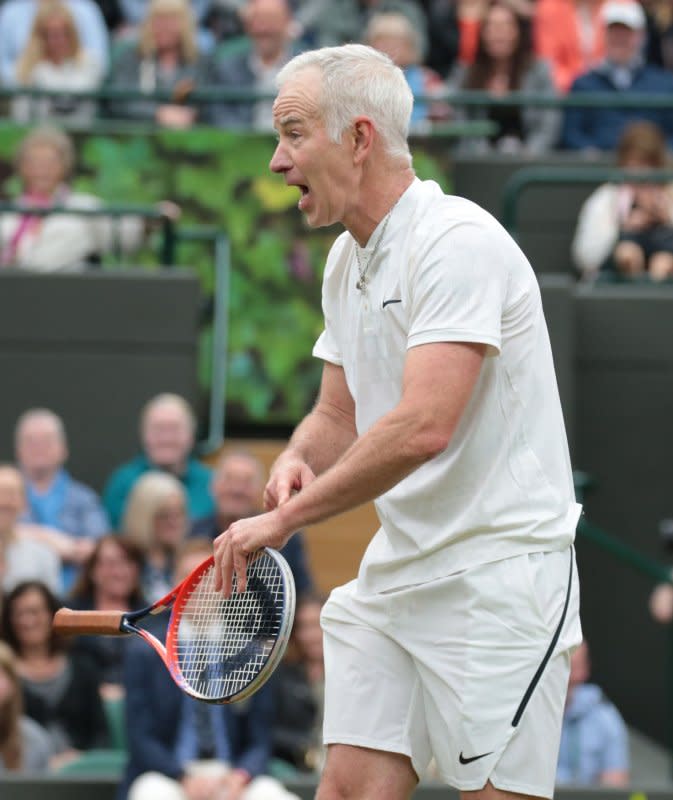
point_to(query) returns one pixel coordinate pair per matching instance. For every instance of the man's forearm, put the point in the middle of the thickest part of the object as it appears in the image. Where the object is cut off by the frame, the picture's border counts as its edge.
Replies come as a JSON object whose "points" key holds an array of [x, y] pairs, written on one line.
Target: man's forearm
{"points": [[321, 438]]}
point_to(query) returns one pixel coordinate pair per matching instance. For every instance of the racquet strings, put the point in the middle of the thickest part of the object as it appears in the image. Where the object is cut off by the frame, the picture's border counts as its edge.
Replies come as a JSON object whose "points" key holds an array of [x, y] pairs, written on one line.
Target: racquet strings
{"points": [[223, 644]]}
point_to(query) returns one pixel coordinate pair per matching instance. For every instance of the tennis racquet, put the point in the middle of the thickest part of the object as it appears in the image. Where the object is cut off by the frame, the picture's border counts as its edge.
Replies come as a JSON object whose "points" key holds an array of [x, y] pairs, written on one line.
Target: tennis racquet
{"points": [[218, 650]]}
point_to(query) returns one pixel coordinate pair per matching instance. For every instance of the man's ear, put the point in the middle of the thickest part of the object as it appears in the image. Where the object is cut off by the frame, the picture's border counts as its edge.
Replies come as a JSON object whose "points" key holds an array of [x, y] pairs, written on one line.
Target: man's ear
{"points": [[363, 133]]}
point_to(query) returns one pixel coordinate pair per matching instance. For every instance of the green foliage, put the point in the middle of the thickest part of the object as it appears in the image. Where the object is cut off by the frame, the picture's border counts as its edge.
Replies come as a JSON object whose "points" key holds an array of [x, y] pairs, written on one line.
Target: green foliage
{"points": [[221, 180]]}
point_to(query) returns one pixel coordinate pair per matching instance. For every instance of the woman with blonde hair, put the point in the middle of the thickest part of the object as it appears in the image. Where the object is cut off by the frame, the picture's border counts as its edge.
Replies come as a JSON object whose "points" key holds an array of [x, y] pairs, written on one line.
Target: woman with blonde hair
{"points": [[156, 521], [54, 59], [24, 745], [165, 57]]}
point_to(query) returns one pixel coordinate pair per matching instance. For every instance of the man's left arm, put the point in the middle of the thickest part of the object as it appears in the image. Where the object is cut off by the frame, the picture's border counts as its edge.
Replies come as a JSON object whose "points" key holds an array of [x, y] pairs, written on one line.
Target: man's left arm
{"points": [[437, 385]]}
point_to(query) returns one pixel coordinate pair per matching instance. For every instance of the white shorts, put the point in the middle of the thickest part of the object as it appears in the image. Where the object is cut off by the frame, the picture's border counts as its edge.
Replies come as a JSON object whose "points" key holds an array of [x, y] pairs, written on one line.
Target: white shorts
{"points": [[471, 669]]}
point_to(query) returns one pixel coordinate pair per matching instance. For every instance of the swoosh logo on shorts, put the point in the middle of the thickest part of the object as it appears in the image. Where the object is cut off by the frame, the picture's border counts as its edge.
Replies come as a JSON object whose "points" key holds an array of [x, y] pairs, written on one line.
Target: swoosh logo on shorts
{"points": [[464, 760], [388, 302]]}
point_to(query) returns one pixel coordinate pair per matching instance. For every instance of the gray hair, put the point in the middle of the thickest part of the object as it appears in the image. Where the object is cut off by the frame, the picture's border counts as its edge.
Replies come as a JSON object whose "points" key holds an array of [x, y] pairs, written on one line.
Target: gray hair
{"points": [[168, 399], [358, 80], [41, 414], [49, 136]]}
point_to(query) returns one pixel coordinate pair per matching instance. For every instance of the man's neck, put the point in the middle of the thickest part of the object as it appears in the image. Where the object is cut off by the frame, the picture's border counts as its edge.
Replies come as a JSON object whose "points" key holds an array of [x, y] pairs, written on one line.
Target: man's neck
{"points": [[42, 480], [373, 206]]}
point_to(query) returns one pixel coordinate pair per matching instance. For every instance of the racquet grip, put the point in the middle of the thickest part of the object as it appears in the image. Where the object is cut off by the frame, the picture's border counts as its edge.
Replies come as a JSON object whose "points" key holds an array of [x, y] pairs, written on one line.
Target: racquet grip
{"points": [[71, 623]]}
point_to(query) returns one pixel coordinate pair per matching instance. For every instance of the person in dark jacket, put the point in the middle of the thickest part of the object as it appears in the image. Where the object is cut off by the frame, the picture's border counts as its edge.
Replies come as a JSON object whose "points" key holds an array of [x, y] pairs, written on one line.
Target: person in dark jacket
{"points": [[623, 72]]}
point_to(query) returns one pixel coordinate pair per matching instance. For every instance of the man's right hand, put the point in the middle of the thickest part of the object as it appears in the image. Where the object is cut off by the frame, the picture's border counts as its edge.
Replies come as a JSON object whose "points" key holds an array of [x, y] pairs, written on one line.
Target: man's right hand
{"points": [[289, 474]]}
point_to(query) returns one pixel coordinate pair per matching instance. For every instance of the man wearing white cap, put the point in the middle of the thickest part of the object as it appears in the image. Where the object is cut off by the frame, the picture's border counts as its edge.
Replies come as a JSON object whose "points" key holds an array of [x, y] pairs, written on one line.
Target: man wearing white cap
{"points": [[623, 71]]}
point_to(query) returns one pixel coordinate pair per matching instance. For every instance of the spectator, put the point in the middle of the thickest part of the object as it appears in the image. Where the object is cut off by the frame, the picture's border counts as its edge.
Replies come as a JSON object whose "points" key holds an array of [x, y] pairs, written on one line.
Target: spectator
{"points": [[57, 242], [237, 485], [569, 34], [594, 739], [269, 26], [55, 498], [16, 20], [300, 690], [444, 35], [109, 581], [54, 59], [622, 73], [183, 749], [659, 44], [60, 689], [629, 227], [24, 745], [165, 57], [134, 13], [156, 522], [167, 431], [393, 34], [505, 63], [23, 558]]}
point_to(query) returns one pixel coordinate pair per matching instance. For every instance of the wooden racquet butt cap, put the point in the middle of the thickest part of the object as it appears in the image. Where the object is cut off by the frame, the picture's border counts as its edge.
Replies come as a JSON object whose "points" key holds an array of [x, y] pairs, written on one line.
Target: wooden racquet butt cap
{"points": [[72, 623]]}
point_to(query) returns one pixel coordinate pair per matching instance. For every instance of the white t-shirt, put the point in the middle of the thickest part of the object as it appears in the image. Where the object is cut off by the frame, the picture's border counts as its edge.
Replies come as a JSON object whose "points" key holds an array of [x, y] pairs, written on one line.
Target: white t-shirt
{"points": [[446, 271]]}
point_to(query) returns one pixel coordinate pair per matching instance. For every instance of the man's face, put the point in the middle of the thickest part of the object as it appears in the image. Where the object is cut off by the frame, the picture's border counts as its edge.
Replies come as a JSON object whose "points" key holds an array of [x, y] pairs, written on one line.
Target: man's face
{"points": [[267, 23], [323, 170], [622, 44], [167, 436], [237, 487], [40, 447]]}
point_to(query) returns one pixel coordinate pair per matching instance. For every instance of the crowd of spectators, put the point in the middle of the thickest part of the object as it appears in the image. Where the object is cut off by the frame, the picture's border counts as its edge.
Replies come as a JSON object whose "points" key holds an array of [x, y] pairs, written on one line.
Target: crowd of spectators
{"points": [[63, 544], [176, 48]]}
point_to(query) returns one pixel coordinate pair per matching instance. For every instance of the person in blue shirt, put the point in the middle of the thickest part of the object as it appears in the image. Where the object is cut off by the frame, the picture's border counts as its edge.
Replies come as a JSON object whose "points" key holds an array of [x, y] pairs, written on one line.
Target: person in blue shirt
{"points": [[167, 432], [237, 485], [54, 498], [622, 73], [594, 738]]}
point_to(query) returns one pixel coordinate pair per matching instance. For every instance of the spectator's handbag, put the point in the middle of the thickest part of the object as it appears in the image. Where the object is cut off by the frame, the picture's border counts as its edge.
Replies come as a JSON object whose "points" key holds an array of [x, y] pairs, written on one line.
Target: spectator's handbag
{"points": [[217, 649]]}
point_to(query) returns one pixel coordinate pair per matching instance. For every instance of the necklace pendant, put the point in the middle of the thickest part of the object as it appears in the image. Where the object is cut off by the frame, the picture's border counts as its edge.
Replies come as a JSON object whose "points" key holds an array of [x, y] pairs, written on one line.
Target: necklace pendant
{"points": [[361, 285]]}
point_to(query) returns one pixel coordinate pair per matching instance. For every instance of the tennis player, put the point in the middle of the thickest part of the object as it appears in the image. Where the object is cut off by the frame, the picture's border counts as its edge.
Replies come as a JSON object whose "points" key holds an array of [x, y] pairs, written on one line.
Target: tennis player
{"points": [[439, 401]]}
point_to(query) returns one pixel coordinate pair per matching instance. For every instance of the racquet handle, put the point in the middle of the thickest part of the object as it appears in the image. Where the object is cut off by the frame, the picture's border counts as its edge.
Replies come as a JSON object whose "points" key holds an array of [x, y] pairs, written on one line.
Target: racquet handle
{"points": [[105, 623]]}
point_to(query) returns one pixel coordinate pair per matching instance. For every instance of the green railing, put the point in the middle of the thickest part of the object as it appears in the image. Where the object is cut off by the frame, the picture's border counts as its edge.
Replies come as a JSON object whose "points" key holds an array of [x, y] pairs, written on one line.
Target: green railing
{"points": [[171, 238], [527, 177]]}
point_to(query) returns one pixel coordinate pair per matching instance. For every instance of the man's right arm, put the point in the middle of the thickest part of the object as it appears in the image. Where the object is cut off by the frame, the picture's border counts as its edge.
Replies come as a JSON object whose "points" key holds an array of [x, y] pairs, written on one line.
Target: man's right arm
{"points": [[319, 441]]}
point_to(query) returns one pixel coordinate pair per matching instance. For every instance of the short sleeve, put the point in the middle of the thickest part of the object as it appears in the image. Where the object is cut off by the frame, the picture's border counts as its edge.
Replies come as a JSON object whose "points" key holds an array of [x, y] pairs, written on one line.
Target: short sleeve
{"points": [[458, 286]]}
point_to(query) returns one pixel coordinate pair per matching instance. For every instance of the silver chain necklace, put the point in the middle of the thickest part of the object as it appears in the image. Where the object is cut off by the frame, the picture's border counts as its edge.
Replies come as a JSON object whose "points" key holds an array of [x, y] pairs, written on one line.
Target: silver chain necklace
{"points": [[361, 285]]}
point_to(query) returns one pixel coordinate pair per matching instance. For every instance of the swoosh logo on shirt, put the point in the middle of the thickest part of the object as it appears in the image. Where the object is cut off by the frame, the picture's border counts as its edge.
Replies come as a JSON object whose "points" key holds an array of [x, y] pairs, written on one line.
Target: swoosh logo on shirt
{"points": [[388, 302], [469, 760]]}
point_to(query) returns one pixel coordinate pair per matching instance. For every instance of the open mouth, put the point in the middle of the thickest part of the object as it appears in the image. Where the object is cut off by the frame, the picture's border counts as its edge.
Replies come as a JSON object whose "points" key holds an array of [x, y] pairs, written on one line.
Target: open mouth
{"points": [[304, 194]]}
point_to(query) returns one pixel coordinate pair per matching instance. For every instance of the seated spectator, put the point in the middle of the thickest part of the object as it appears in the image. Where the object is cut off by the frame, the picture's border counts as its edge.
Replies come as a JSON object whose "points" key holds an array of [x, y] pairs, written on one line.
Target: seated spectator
{"points": [[109, 581], [394, 35], [54, 59], [628, 228], [269, 27], [622, 73], [183, 749], [57, 242], [167, 431], [60, 689], [299, 691], [659, 44], [237, 485], [23, 557], [134, 12], [569, 34], [16, 21], [155, 521], [55, 498], [506, 63], [24, 745], [594, 739], [165, 57]]}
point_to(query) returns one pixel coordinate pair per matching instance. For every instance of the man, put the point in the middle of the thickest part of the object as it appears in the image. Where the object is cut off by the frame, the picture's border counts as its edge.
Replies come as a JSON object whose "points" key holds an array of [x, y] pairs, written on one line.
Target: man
{"points": [[594, 742], [236, 486], [439, 401], [183, 749], [54, 498], [623, 72], [167, 432], [269, 27]]}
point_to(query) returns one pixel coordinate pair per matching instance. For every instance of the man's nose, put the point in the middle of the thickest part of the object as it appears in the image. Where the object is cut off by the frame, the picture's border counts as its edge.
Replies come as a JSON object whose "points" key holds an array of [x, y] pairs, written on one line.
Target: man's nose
{"points": [[280, 161]]}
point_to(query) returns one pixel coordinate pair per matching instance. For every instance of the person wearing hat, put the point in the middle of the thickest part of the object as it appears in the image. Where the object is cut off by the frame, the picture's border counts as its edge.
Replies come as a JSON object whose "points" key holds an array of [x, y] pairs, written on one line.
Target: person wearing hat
{"points": [[623, 71]]}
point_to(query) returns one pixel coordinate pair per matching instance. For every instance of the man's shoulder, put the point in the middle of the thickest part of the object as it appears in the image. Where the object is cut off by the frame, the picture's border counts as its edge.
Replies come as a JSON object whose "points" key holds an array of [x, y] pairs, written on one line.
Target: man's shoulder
{"points": [[128, 470], [197, 469], [80, 492], [653, 78]]}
